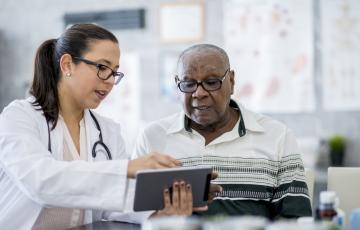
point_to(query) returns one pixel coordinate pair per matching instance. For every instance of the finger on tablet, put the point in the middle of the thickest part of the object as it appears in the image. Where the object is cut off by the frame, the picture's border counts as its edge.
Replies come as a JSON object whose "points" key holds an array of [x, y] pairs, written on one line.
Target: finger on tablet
{"points": [[167, 202], [175, 195]]}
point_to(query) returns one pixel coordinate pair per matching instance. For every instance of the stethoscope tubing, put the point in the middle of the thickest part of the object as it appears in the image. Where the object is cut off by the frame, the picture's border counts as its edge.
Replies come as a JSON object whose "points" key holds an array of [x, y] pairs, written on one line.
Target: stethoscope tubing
{"points": [[99, 142]]}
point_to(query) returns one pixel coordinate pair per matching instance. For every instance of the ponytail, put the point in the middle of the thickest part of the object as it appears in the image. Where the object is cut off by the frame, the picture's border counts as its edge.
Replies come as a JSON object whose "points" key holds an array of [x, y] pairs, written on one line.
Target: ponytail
{"points": [[46, 77]]}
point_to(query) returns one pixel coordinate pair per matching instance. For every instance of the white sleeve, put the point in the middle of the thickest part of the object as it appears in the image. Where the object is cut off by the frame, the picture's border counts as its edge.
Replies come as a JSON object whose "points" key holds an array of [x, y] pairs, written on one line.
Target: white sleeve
{"points": [[49, 182], [141, 146], [128, 215], [290, 198]]}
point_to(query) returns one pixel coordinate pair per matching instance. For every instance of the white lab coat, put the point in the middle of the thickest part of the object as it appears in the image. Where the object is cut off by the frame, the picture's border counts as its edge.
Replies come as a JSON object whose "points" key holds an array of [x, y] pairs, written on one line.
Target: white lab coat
{"points": [[32, 178]]}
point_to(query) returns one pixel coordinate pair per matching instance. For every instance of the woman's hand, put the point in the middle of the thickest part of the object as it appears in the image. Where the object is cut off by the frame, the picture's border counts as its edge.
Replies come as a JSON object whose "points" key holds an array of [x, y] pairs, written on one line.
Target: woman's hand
{"points": [[181, 202], [151, 161]]}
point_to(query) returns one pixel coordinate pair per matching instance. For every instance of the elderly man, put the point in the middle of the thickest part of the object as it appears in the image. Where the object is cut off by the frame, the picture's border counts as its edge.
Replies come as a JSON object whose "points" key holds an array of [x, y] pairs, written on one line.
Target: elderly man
{"points": [[256, 157]]}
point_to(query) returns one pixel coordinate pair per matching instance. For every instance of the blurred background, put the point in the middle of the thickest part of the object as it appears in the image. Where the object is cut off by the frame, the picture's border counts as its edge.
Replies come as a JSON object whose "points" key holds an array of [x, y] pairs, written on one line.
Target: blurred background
{"points": [[295, 60]]}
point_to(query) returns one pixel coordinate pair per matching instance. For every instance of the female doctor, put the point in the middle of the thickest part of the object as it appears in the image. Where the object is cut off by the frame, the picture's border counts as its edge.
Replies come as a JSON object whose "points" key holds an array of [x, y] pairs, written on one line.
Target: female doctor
{"points": [[60, 161]]}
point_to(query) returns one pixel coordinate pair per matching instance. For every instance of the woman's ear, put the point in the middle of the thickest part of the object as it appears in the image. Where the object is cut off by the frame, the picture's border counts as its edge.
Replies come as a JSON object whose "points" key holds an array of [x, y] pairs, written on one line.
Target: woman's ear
{"points": [[66, 66]]}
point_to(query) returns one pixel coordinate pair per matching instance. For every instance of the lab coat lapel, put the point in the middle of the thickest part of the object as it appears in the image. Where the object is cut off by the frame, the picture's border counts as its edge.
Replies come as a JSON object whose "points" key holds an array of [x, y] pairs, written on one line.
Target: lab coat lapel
{"points": [[92, 135], [57, 141]]}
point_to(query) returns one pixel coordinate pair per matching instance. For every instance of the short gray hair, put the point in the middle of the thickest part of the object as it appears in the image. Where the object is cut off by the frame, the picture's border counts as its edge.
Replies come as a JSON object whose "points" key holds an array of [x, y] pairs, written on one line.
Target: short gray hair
{"points": [[205, 47]]}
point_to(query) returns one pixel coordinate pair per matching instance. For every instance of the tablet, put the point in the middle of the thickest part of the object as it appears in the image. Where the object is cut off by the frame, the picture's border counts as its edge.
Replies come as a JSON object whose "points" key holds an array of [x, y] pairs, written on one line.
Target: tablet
{"points": [[150, 185]]}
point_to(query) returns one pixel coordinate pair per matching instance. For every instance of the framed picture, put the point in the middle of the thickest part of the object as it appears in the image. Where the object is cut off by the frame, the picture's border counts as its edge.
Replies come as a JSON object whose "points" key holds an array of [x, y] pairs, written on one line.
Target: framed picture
{"points": [[182, 22]]}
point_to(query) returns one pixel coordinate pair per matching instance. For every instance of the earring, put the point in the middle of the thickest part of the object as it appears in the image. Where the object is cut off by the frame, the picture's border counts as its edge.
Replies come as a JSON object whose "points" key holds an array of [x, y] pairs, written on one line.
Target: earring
{"points": [[68, 74]]}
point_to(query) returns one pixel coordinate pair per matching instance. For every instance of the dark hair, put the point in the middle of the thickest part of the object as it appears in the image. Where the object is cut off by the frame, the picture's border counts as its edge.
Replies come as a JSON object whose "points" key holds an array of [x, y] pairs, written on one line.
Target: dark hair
{"points": [[74, 41], [205, 48]]}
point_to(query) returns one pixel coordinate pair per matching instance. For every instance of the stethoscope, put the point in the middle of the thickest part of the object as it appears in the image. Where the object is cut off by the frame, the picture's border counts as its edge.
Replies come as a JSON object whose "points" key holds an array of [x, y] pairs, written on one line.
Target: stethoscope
{"points": [[99, 143]]}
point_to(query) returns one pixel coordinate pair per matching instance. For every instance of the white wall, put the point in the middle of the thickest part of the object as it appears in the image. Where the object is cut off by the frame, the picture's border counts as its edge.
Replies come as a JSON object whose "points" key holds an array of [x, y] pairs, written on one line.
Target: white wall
{"points": [[25, 24]]}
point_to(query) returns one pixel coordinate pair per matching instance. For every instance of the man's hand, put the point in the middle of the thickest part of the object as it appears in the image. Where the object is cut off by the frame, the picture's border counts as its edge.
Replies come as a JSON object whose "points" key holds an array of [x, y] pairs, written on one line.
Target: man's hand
{"points": [[214, 188], [181, 202]]}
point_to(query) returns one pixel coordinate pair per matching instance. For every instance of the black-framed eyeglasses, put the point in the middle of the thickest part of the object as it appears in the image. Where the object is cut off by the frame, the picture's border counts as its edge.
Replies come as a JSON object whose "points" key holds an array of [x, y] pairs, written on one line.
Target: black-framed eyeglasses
{"points": [[104, 72], [190, 86]]}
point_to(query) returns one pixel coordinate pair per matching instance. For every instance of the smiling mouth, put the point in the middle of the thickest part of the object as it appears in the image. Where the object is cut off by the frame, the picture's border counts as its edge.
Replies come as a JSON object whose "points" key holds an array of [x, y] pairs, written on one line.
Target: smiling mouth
{"points": [[201, 107]]}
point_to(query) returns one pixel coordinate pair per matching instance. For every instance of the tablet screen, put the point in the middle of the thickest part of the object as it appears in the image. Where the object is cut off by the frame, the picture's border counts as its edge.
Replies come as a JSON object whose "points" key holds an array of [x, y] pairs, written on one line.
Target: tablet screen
{"points": [[150, 185]]}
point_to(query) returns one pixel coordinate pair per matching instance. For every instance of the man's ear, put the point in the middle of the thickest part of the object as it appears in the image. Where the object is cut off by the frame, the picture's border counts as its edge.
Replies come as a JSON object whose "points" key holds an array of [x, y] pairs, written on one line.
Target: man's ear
{"points": [[232, 80], [66, 67]]}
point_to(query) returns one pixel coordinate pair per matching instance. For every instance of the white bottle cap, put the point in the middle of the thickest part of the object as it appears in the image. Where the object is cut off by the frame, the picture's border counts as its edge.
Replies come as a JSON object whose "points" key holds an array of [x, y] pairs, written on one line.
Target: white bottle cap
{"points": [[327, 197]]}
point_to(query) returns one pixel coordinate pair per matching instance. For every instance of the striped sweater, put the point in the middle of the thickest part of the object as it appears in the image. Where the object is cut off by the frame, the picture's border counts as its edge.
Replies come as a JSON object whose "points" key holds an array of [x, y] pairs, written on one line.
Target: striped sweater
{"points": [[258, 162]]}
